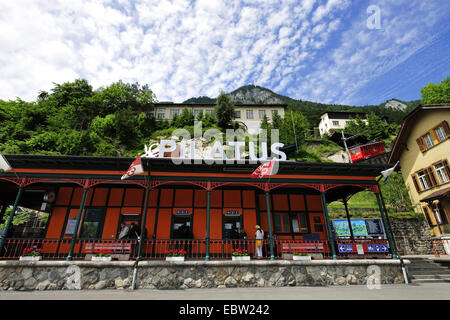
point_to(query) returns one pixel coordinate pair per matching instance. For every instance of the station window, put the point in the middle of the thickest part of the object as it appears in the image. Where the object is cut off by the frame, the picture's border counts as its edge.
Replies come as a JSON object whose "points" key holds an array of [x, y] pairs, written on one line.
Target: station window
{"points": [[299, 222], [281, 222], [182, 227], [92, 223]]}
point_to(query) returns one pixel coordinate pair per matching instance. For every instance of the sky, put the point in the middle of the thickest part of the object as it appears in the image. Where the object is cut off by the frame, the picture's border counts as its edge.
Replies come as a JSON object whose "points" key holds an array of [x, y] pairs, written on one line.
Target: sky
{"points": [[331, 51]]}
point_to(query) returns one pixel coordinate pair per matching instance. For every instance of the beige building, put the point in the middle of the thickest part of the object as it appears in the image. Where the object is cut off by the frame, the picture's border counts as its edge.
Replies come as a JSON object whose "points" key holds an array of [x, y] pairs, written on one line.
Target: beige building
{"points": [[423, 149], [250, 115], [337, 120]]}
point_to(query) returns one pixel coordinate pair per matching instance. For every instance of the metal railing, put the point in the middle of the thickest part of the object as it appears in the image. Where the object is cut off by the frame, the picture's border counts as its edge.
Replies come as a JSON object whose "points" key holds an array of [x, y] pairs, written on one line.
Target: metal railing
{"points": [[441, 247], [154, 249]]}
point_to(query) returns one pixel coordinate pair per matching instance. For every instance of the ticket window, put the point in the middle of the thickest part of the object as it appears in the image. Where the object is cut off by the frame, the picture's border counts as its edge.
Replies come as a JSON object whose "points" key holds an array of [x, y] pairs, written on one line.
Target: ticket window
{"points": [[232, 226], [182, 227]]}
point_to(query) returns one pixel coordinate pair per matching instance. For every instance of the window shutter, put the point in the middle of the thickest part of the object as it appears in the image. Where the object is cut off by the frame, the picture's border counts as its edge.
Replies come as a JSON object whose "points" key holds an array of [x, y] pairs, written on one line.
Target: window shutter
{"points": [[427, 216], [446, 167], [434, 137], [431, 215], [431, 176], [428, 178], [446, 128], [416, 183], [421, 144]]}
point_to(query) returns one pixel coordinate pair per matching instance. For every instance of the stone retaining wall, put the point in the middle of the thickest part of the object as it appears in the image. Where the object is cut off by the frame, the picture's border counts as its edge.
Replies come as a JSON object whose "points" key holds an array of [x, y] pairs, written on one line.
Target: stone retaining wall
{"points": [[81, 275], [412, 236]]}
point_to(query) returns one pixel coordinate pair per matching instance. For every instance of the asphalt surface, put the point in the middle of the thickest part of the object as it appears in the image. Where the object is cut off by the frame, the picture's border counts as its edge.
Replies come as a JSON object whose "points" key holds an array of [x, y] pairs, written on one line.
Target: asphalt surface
{"points": [[436, 291]]}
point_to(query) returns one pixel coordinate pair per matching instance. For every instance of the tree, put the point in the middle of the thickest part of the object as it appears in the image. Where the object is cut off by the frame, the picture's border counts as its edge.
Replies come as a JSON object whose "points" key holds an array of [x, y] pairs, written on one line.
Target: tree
{"points": [[293, 126], [436, 93], [395, 193], [224, 111], [186, 118]]}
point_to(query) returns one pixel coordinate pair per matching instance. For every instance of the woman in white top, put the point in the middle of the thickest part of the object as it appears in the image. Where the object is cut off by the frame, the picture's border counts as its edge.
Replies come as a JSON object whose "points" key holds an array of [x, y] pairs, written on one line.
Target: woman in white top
{"points": [[259, 236]]}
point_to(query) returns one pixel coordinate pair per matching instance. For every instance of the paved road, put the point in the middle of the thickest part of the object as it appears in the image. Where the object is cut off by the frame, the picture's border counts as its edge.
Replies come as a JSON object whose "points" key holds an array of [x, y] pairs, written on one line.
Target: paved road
{"points": [[438, 291]]}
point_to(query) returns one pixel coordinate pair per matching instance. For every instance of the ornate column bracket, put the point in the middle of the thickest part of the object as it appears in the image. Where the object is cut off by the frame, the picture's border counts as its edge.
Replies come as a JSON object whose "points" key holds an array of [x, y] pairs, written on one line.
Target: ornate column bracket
{"points": [[370, 187]]}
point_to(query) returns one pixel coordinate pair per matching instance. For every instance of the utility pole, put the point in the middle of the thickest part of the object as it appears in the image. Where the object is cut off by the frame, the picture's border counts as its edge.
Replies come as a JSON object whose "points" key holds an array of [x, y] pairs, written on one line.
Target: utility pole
{"points": [[345, 144]]}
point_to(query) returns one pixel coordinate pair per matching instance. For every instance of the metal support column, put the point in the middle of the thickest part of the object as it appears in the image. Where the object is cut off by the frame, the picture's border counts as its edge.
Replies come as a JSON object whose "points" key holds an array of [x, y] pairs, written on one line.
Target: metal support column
{"points": [[144, 221], [208, 196], [77, 224], [330, 233], [386, 225], [272, 257], [10, 218], [348, 218]]}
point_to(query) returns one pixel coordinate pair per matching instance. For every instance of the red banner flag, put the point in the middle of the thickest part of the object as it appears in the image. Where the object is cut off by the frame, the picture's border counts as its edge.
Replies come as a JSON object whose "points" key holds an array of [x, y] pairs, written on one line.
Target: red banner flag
{"points": [[135, 168], [264, 170]]}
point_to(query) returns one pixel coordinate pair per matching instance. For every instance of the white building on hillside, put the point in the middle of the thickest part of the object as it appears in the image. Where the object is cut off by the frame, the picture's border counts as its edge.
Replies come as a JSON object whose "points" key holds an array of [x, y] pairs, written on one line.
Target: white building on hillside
{"points": [[250, 115], [337, 120]]}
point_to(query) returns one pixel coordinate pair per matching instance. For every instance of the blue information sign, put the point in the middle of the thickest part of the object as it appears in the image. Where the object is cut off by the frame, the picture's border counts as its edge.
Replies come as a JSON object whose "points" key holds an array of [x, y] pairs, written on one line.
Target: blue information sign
{"points": [[345, 248], [374, 248]]}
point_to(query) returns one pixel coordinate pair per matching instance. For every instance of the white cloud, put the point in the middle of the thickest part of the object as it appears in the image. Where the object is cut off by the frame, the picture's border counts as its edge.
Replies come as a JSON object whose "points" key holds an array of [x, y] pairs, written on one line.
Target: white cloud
{"points": [[185, 48]]}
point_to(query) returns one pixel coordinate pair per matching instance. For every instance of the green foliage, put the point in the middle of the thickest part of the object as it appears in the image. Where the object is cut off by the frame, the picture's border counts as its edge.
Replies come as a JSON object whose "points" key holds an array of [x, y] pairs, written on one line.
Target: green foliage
{"points": [[436, 93], [375, 129], [293, 128], [73, 119], [395, 193], [224, 111]]}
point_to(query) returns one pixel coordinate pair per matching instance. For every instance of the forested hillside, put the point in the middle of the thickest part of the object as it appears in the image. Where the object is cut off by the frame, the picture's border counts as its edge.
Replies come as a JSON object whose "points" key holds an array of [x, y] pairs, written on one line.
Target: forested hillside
{"points": [[117, 120], [74, 119]]}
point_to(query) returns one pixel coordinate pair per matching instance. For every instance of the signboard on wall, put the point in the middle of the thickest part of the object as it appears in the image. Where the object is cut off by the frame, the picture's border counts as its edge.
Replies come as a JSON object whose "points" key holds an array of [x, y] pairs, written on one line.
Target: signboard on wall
{"points": [[231, 212], [360, 227], [374, 227], [70, 228], [181, 211], [341, 228]]}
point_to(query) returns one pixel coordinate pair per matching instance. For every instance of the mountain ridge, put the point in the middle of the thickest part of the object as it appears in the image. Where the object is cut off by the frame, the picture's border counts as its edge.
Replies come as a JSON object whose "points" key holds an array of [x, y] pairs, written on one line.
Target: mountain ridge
{"points": [[253, 94]]}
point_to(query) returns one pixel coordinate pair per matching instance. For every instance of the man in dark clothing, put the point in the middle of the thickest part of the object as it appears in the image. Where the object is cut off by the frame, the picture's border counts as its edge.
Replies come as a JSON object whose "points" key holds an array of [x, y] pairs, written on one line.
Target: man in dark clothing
{"points": [[133, 235]]}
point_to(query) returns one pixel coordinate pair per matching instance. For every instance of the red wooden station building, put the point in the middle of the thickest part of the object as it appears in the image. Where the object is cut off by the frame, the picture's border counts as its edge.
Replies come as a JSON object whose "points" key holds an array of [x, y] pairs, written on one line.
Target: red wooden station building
{"points": [[193, 206]]}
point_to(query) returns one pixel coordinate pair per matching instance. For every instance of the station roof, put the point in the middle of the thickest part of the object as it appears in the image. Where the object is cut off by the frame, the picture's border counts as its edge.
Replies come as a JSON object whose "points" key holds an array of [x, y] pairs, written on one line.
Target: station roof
{"points": [[166, 164]]}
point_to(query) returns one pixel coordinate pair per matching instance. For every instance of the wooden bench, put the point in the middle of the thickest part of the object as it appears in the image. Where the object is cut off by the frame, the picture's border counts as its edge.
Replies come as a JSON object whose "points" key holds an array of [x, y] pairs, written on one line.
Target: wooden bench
{"points": [[119, 250], [308, 247], [314, 249]]}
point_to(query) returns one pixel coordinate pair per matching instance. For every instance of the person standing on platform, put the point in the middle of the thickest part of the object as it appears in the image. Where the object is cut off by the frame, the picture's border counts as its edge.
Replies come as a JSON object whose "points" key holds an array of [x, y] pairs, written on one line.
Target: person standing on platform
{"points": [[133, 235], [124, 230], [259, 236]]}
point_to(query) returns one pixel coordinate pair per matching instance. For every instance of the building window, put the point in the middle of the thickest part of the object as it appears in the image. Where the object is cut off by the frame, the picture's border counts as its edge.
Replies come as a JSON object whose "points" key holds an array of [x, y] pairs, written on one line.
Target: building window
{"points": [[262, 113], [441, 173], [299, 223], [434, 136], [428, 140], [249, 114], [209, 111], [174, 112], [440, 133], [274, 112], [161, 115], [237, 114], [335, 123], [281, 222], [422, 179], [196, 112], [92, 223]]}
